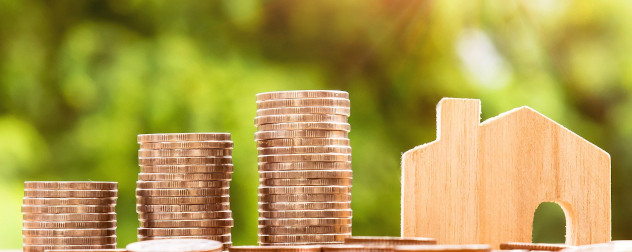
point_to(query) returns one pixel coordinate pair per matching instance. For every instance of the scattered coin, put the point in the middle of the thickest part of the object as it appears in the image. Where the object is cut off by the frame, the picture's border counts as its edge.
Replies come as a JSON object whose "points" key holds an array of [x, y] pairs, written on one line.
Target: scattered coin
{"points": [[170, 245], [275, 248], [208, 223], [533, 246], [444, 248], [389, 240], [179, 137]]}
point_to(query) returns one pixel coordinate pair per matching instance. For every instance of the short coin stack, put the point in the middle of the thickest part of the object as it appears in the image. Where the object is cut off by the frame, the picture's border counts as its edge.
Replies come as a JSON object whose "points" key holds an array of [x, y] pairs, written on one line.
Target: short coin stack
{"points": [[69, 215], [182, 188], [304, 167]]}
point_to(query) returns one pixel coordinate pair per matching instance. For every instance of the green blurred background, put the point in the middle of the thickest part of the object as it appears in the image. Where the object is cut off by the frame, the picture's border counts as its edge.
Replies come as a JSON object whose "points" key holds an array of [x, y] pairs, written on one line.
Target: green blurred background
{"points": [[80, 79]]}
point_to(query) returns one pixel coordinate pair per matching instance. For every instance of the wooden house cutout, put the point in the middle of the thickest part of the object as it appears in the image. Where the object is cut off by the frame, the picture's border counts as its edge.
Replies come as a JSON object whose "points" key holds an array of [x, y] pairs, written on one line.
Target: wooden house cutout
{"points": [[482, 182]]}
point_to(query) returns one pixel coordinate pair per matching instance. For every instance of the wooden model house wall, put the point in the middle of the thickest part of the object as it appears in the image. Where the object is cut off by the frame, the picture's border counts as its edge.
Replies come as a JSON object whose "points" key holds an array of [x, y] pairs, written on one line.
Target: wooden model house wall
{"points": [[482, 182]]}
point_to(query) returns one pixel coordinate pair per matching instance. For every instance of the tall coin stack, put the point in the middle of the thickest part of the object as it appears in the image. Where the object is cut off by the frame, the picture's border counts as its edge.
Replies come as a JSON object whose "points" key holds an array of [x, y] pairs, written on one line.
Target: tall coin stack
{"points": [[182, 188], [69, 215], [304, 167]]}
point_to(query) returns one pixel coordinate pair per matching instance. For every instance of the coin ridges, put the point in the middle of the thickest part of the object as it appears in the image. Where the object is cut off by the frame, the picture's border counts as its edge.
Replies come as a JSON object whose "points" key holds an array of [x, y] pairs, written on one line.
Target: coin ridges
{"points": [[187, 223], [184, 231], [68, 201], [301, 94], [70, 193], [286, 142], [68, 209], [186, 168], [304, 221], [306, 214], [71, 185], [184, 160], [304, 230], [69, 232], [305, 126], [184, 152], [69, 217], [283, 134], [305, 110], [77, 240], [306, 174], [305, 150], [185, 215], [181, 184], [305, 238], [305, 182], [303, 102], [177, 137], [68, 224], [182, 192], [303, 189], [183, 208], [304, 158], [310, 165], [305, 198], [184, 176], [175, 200], [261, 120], [276, 206], [187, 145]]}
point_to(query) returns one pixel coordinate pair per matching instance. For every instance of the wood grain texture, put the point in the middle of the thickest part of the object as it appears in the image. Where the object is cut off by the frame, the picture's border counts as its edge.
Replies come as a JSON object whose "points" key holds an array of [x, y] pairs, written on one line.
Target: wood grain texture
{"points": [[482, 182]]}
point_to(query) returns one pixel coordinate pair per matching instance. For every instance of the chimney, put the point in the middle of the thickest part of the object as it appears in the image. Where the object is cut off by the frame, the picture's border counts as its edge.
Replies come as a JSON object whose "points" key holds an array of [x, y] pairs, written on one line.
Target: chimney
{"points": [[458, 118]]}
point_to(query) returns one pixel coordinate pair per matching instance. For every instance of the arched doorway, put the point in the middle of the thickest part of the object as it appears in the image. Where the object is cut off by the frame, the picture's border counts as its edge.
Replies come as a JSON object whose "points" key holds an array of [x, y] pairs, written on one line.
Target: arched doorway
{"points": [[549, 224]]}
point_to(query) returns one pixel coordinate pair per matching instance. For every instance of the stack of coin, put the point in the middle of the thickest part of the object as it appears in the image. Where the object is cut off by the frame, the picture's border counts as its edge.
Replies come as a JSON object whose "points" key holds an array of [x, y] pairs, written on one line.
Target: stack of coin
{"points": [[182, 188], [304, 167], [69, 215]]}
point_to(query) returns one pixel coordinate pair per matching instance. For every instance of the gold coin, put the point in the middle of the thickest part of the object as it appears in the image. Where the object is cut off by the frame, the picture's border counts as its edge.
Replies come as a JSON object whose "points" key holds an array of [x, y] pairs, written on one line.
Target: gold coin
{"points": [[186, 223], [275, 248], [305, 222], [181, 208], [261, 120], [284, 134], [304, 102], [180, 137], [70, 232], [445, 248], [305, 110], [265, 230], [70, 185], [305, 182], [184, 152], [77, 240], [219, 238], [357, 248], [186, 168], [305, 198], [304, 150], [70, 217], [185, 160], [182, 245], [188, 145], [306, 214], [68, 224], [70, 193], [306, 174], [303, 189], [42, 248], [533, 246], [185, 215], [69, 201], [182, 184], [389, 240], [302, 94], [303, 142], [304, 238], [183, 231], [182, 192], [68, 209], [181, 200], [304, 158], [305, 126], [184, 176], [304, 206], [290, 166]]}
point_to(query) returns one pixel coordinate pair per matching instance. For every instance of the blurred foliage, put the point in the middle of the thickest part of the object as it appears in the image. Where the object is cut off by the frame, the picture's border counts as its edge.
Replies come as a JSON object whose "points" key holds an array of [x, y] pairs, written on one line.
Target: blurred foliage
{"points": [[80, 79]]}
